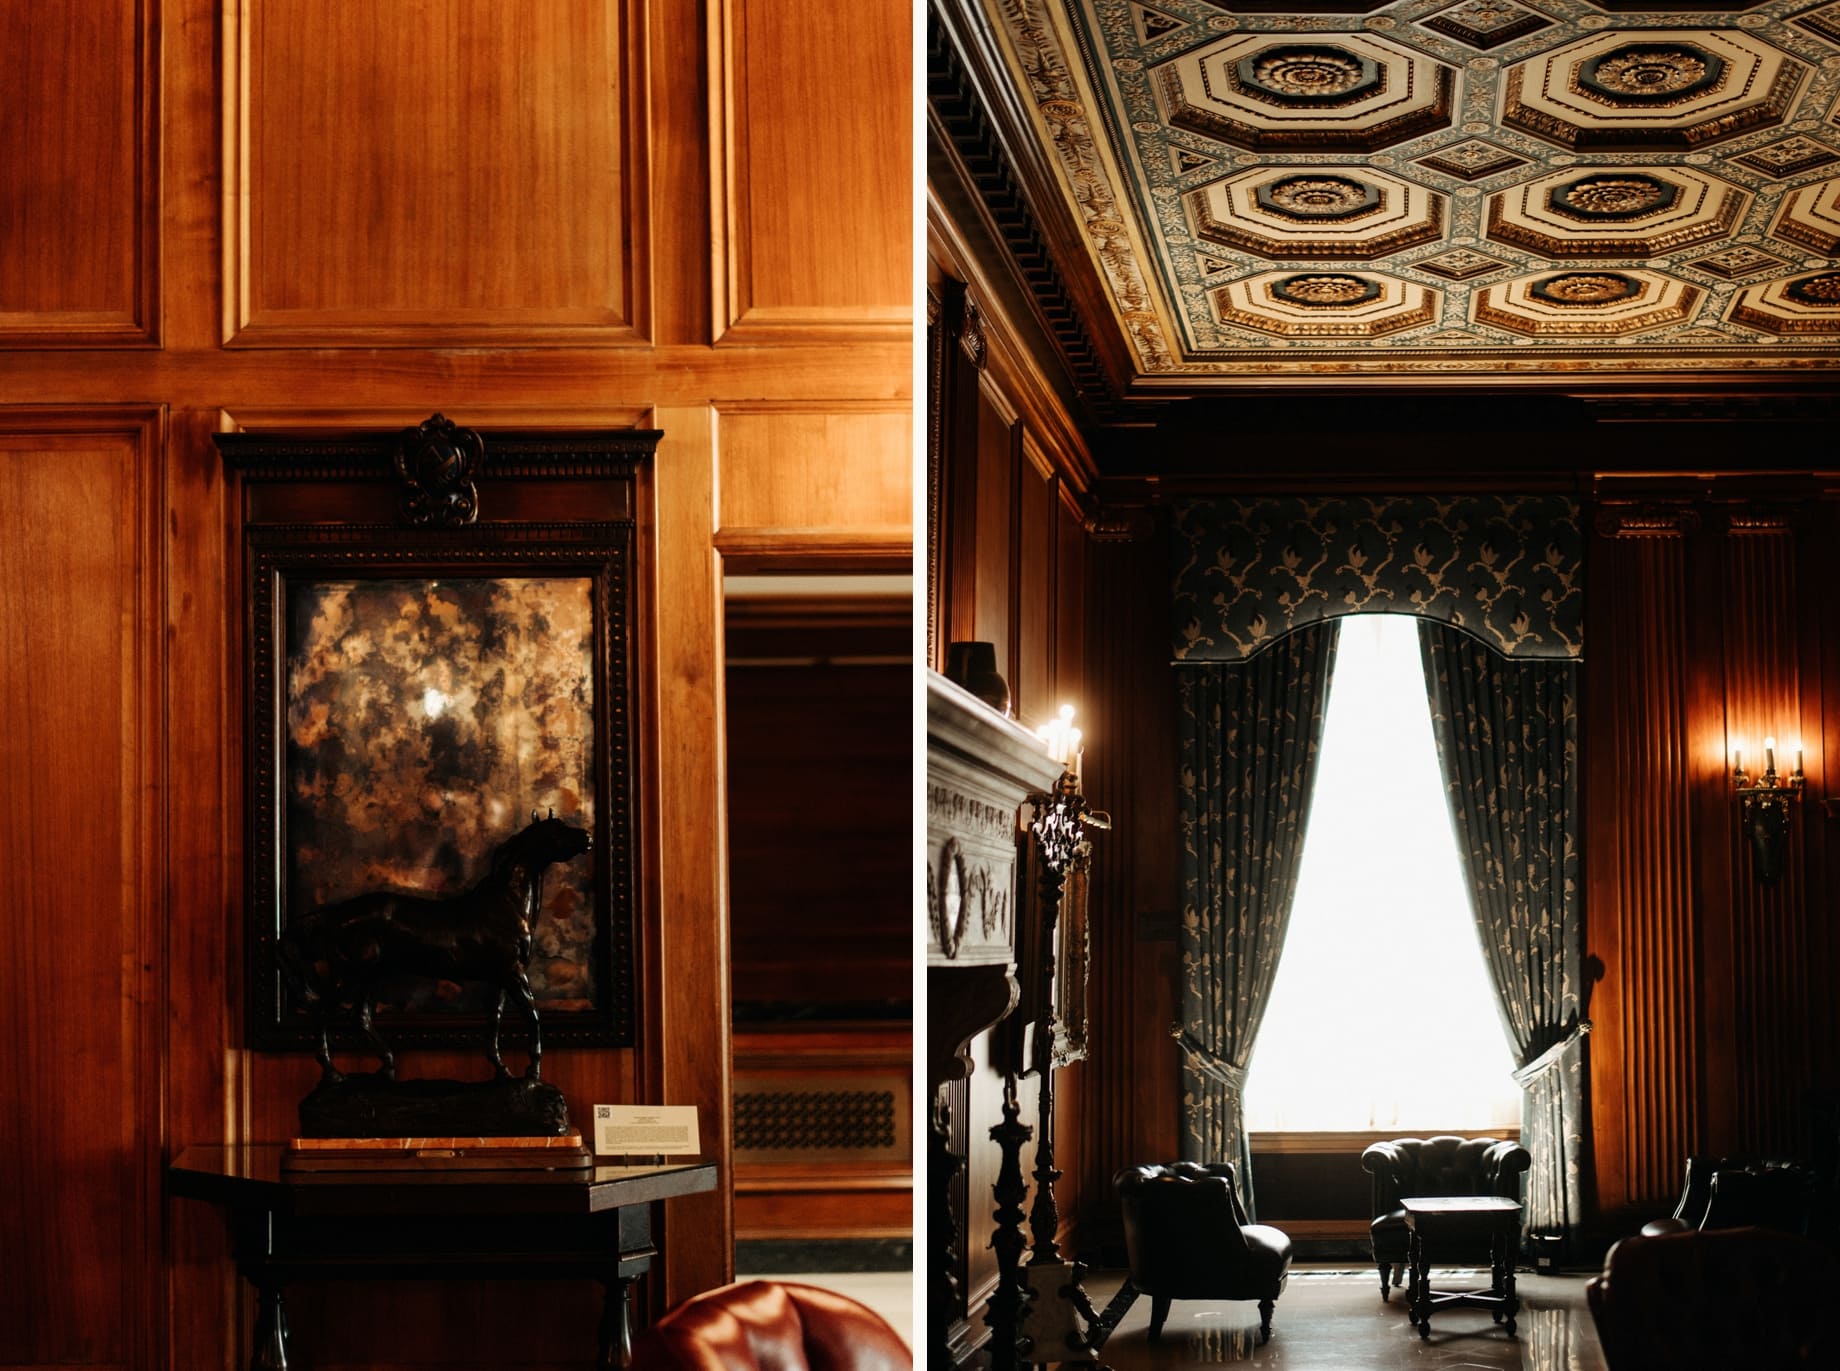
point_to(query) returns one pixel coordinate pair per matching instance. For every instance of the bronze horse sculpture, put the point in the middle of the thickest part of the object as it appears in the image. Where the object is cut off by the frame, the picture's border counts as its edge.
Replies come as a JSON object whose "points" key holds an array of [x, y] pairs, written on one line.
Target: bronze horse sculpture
{"points": [[340, 954]]}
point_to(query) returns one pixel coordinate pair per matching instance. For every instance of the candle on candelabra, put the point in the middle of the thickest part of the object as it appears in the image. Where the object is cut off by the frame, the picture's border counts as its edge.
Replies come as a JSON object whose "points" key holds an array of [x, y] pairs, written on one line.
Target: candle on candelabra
{"points": [[1769, 755]]}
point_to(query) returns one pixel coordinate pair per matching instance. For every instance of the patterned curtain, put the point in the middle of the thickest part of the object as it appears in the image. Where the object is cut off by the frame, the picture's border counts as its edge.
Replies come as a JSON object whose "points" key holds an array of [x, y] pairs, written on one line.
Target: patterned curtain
{"points": [[1507, 739], [1250, 733]]}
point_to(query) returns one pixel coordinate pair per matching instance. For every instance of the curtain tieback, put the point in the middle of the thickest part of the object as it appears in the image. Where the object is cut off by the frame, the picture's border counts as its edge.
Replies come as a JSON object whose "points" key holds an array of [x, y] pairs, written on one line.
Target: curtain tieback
{"points": [[1547, 1060], [1216, 1068]]}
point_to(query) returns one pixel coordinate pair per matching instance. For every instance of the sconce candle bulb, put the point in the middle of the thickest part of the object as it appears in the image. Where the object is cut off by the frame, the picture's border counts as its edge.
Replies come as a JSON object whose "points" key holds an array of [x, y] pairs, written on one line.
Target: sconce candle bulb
{"points": [[1764, 804], [1063, 741]]}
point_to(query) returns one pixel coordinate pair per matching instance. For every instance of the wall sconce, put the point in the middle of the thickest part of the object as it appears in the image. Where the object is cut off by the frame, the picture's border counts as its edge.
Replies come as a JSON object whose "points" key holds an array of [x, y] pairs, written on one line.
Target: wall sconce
{"points": [[1064, 746], [1765, 807]]}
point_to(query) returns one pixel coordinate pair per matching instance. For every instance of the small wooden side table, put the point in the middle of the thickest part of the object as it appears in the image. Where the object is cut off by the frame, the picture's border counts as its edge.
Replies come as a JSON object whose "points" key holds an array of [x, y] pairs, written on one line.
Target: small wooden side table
{"points": [[593, 1222], [1433, 1220]]}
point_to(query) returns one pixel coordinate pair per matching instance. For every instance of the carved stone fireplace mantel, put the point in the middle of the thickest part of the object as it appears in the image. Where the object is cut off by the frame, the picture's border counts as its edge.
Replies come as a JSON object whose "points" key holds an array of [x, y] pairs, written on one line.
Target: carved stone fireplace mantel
{"points": [[980, 768]]}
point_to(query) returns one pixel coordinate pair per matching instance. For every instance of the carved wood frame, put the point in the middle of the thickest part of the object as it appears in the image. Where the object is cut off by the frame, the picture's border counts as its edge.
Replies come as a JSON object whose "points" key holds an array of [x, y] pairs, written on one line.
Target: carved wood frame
{"points": [[319, 505]]}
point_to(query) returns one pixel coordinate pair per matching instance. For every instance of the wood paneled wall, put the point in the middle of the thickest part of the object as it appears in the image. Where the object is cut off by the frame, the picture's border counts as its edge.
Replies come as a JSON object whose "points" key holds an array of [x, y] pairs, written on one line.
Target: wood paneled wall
{"points": [[1710, 609], [1011, 552], [1712, 618], [272, 214]]}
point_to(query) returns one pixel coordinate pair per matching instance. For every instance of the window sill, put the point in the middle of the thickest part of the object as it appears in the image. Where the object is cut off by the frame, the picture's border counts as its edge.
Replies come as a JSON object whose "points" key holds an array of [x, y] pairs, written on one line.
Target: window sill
{"points": [[1356, 1141]]}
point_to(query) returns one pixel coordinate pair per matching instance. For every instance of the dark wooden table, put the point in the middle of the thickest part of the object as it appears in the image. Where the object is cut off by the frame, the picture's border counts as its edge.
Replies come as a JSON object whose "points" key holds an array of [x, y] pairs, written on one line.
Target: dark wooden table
{"points": [[419, 1225], [1462, 1218]]}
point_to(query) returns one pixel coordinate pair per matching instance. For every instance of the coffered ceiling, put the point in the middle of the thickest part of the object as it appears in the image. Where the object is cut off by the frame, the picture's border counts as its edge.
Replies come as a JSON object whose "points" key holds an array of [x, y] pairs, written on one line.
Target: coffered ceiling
{"points": [[1422, 189]]}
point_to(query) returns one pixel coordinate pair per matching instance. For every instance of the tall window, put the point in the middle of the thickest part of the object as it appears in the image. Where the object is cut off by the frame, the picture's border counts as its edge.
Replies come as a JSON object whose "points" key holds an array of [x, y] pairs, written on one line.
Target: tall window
{"points": [[1382, 1015]]}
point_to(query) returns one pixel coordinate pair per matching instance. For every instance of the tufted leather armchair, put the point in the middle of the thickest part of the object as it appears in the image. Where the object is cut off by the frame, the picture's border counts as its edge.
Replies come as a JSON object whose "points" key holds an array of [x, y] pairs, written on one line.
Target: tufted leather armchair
{"points": [[1410, 1168], [1688, 1300], [1734, 1192], [766, 1326], [1187, 1236]]}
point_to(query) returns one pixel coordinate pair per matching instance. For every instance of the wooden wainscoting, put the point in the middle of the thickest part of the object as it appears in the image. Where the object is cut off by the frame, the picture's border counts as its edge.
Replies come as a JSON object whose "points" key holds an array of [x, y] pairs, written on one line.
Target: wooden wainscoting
{"points": [[824, 1131]]}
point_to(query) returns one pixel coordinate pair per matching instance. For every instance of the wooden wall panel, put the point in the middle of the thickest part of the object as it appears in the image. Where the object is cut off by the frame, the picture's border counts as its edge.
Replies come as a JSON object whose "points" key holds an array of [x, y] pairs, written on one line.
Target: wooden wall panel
{"points": [[459, 171], [79, 253], [820, 852], [1129, 702], [1638, 871], [1031, 669], [830, 479], [805, 105], [81, 994], [1012, 558], [686, 1049], [1818, 628], [1070, 672], [993, 533], [1767, 957], [392, 212]]}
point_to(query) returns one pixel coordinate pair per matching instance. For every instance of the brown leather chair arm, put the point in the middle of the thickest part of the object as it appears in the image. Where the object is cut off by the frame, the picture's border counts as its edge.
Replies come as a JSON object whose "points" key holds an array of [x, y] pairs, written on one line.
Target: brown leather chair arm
{"points": [[757, 1325]]}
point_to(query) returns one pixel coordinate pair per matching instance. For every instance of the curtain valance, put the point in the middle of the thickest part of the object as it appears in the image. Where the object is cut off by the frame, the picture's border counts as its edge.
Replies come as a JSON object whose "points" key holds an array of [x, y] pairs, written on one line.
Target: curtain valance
{"points": [[1507, 569]]}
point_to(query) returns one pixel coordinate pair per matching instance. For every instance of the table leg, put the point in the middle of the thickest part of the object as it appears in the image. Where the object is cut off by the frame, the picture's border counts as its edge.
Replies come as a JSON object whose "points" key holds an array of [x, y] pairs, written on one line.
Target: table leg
{"points": [[270, 1350], [1513, 1304], [1418, 1283], [616, 1324]]}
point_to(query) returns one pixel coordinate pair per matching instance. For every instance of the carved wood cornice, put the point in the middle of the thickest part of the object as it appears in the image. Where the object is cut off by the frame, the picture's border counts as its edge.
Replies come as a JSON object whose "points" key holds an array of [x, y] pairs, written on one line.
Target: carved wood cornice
{"points": [[1011, 365], [1648, 520], [1110, 525], [1705, 512], [971, 335], [1001, 164], [1759, 517], [1789, 408], [342, 457]]}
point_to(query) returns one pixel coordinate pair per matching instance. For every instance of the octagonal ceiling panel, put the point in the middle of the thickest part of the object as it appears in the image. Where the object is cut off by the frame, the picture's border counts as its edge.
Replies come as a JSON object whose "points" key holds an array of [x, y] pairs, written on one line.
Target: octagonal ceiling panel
{"points": [[1486, 187], [1347, 92], [1615, 212], [1810, 217], [1587, 304], [1634, 88], [1326, 304], [1341, 212], [1795, 305]]}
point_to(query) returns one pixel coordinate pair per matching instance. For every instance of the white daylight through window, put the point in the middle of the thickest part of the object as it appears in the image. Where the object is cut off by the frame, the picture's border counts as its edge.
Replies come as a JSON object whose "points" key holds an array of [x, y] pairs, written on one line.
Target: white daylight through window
{"points": [[1381, 1015]]}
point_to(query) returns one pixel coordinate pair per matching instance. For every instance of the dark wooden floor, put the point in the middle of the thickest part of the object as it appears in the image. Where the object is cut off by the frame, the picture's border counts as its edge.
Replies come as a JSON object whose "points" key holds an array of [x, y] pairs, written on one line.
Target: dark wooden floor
{"points": [[1330, 1318]]}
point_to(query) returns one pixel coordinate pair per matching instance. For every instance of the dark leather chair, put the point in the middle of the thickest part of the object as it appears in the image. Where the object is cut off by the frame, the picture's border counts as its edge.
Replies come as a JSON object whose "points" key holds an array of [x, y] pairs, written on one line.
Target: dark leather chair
{"points": [[1410, 1168], [1188, 1239], [1735, 1192], [766, 1326], [1698, 1300]]}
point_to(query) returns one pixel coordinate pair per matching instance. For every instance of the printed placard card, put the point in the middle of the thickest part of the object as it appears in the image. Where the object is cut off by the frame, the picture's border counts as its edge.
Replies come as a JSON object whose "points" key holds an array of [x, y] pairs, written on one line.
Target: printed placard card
{"points": [[632, 1130]]}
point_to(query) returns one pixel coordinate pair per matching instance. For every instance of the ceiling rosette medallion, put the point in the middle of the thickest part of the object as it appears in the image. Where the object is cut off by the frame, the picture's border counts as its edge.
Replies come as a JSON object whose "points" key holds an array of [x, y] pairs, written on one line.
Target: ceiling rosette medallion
{"points": [[1810, 217], [1586, 304], [1306, 212], [1661, 89], [1809, 303], [1615, 211], [1318, 92], [1326, 304]]}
